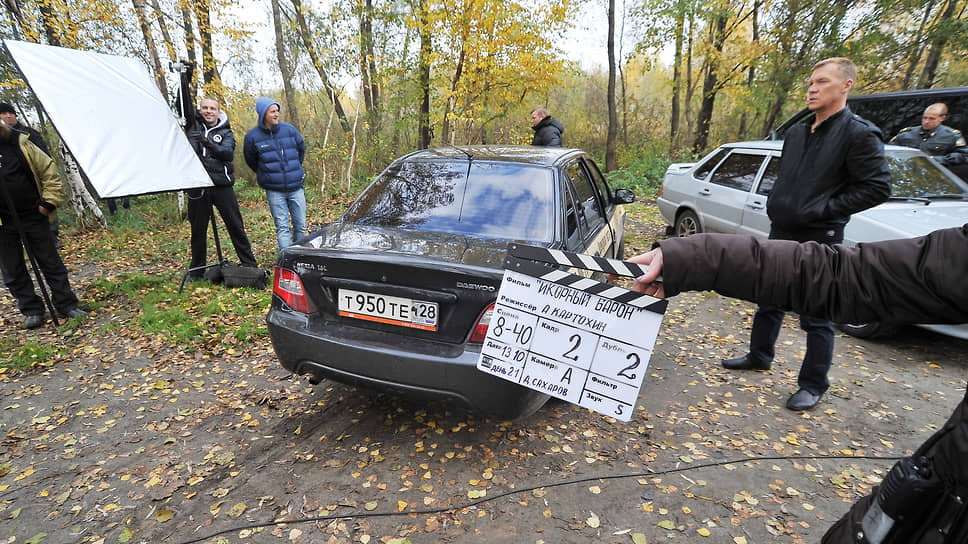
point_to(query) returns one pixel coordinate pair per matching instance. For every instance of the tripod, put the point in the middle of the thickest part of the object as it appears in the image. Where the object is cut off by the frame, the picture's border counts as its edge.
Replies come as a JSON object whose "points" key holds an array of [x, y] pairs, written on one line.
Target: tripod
{"points": [[218, 244]]}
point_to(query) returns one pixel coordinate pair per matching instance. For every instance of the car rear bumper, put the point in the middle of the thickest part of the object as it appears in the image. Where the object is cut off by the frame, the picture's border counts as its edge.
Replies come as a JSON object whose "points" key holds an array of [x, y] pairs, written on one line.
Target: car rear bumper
{"points": [[344, 355], [667, 209]]}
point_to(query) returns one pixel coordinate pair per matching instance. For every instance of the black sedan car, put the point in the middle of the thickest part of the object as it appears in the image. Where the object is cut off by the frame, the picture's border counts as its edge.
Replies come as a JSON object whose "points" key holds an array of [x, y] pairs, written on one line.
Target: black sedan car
{"points": [[397, 294]]}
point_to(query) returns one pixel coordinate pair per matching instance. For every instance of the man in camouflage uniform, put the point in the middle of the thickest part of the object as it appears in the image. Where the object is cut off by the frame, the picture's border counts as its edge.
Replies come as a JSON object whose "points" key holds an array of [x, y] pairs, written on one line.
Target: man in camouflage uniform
{"points": [[935, 139]]}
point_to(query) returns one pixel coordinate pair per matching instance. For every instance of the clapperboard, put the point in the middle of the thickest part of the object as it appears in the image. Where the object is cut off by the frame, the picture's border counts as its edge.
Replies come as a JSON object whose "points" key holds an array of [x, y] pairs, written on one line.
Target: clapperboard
{"points": [[569, 336]]}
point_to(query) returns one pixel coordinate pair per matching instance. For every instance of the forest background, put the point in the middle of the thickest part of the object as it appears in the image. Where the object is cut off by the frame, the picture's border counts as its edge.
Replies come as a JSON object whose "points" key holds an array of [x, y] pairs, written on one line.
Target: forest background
{"points": [[368, 80]]}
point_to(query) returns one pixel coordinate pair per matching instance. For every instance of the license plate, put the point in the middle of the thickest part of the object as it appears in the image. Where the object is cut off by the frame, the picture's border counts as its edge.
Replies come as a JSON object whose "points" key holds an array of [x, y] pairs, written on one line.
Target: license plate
{"points": [[403, 312]]}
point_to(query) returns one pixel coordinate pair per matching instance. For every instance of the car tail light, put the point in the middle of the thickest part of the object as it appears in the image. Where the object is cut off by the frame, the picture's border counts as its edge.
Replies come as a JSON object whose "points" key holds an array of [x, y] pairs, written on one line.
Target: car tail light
{"points": [[287, 286], [480, 329]]}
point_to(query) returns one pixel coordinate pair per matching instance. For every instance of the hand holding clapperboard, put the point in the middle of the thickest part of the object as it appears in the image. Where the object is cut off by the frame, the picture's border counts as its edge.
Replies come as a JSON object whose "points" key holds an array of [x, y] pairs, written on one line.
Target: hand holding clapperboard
{"points": [[569, 336]]}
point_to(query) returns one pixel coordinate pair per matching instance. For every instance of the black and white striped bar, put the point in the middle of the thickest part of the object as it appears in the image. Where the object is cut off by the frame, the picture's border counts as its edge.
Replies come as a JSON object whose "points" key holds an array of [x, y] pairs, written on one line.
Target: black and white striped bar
{"points": [[587, 285], [577, 260]]}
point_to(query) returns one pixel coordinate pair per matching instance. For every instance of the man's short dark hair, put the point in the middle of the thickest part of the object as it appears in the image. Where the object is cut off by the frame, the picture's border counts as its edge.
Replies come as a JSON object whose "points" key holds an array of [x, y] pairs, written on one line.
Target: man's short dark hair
{"points": [[7, 108]]}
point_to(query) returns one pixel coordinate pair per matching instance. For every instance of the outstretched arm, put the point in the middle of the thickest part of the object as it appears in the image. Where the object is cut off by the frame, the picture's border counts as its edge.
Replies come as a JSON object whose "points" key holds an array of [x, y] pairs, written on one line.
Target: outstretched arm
{"points": [[916, 280]]}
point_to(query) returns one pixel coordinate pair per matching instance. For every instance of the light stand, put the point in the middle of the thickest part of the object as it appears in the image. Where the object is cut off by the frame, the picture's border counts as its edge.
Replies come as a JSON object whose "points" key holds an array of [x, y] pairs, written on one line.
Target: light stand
{"points": [[186, 112]]}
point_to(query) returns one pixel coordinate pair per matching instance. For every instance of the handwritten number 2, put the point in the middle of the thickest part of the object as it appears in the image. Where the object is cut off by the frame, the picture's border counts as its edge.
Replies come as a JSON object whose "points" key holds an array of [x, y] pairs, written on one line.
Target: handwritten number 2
{"points": [[568, 354], [630, 357]]}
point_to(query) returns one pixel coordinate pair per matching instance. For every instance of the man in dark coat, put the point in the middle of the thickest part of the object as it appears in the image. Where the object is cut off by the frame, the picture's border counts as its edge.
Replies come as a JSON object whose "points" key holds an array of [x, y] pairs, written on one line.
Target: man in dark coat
{"points": [[832, 166], [214, 142], [547, 129], [917, 280], [32, 190], [9, 116]]}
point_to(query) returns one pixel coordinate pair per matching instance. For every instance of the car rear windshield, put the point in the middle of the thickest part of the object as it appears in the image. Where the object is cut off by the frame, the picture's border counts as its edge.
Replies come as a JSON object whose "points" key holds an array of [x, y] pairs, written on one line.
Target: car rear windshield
{"points": [[916, 176], [498, 200]]}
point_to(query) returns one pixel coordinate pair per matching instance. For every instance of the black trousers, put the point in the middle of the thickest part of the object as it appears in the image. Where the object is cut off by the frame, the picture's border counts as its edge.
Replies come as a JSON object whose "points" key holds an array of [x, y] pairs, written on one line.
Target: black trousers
{"points": [[820, 332], [200, 202], [15, 276]]}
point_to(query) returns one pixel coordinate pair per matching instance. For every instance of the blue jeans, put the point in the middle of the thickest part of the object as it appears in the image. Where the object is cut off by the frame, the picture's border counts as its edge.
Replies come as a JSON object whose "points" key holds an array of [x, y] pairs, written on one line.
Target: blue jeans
{"points": [[282, 206]]}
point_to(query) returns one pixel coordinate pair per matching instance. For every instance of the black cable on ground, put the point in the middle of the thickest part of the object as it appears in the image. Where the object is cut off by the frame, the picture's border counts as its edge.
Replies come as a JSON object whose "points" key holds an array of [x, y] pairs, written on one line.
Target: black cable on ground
{"points": [[534, 487]]}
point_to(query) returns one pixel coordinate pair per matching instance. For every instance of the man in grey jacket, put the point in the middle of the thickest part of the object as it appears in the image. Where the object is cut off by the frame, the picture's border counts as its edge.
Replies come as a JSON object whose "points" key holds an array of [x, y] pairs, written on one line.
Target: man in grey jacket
{"points": [[934, 138]]}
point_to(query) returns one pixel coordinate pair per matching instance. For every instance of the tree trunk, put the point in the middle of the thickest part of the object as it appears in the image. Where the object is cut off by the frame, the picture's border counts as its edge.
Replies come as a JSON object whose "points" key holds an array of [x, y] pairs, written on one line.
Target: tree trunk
{"points": [[349, 166], [445, 132], [751, 75], [938, 42], [189, 42], [160, 19], [292, 112], [48, 19], [318, 65], [677, 73], [329, 126], [690, 84], [424, 75], [610, 161], [210, 76], [81, 200], [139, 10], [368, 73], [621, 79], [710, 83], [917, 47]]}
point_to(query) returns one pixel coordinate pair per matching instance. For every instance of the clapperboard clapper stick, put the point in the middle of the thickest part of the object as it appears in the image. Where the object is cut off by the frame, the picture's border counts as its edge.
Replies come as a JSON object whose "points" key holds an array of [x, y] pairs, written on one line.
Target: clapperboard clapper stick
{"points": [[568, 336], [521, 258]]}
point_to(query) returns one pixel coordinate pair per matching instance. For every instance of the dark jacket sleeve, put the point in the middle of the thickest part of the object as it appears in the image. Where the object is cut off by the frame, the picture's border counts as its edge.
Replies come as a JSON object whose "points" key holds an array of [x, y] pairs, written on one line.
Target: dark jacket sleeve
{"points": [[916, 280], [224, 150], [958, 153], [868, 177]]}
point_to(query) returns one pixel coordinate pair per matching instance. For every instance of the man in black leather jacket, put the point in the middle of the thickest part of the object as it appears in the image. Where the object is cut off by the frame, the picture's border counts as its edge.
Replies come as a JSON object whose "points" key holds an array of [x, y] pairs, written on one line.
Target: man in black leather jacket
{"points": [[832, 166], [214, 142]]}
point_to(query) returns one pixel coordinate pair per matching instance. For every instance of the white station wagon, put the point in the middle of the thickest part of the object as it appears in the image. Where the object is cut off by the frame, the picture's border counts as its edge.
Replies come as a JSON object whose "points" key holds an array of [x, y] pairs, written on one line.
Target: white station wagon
{"points": [[726, 192]]}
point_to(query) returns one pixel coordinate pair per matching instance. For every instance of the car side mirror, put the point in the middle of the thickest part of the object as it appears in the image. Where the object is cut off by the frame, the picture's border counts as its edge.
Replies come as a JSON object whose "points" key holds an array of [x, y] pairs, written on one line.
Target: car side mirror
{"points": [[623, 196]]}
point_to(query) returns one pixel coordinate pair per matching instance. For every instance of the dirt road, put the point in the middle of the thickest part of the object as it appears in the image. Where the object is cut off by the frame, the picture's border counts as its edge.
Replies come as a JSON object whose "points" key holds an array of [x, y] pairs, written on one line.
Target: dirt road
{"points": [[127, 444]]}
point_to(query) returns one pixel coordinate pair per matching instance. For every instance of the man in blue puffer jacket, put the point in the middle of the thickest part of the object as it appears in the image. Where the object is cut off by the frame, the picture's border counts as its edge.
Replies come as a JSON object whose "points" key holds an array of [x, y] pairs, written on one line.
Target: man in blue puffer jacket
{"points": [[275, 151]]}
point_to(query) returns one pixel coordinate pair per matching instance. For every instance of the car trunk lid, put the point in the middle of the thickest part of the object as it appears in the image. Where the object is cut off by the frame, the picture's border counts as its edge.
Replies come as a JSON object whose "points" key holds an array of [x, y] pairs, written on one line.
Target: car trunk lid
{"points": [[426, 285]]}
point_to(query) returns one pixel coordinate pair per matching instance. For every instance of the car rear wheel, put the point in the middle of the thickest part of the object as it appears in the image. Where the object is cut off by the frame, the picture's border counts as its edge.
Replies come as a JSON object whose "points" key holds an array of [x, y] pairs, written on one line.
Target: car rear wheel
{"points": [[876, 329], [687, 223]]}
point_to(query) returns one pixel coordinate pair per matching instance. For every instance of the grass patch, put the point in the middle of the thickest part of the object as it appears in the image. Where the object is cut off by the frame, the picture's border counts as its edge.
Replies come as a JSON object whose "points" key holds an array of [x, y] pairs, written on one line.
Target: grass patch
{"points": [[27, 356], [201, 315]]}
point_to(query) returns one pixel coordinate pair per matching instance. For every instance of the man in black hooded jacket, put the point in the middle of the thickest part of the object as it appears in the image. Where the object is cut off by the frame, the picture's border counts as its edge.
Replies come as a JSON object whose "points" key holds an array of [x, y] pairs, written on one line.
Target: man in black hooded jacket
{"points": [[547, 129], [214, 142]]}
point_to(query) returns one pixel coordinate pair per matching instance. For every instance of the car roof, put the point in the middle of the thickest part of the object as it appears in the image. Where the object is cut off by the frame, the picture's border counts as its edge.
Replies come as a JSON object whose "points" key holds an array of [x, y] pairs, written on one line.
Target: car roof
{"points": [[766, 145], [777, 145], [536, 155], [895, 110]]}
